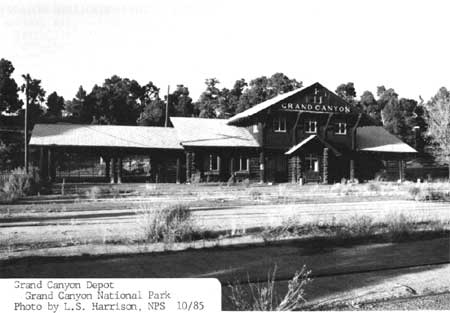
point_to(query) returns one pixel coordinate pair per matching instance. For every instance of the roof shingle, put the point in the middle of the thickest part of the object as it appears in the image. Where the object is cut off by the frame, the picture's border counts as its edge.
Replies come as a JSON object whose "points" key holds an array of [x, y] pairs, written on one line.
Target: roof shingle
{"points": [[209, 132], [104, 136], [378, 139]]}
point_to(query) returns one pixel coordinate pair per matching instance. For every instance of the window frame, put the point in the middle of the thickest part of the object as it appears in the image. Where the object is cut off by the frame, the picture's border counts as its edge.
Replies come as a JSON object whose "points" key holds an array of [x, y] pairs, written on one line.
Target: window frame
{"points": [[278, 121], [308, 126], [211, 157], [339, 128], [311, 160], [247, 163]]}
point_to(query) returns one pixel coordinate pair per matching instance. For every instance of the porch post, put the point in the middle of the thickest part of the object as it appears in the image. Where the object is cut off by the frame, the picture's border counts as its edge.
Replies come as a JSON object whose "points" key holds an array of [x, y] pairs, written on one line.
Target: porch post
{"points": [[401, 173], [178, 179], [113, 170], [42, 164], [49, 164], [299, 169], [119, 170], [231, 166], [188, 166], [352, 170], [292, 169], [107, 167], [261, 167], [325, 165]]}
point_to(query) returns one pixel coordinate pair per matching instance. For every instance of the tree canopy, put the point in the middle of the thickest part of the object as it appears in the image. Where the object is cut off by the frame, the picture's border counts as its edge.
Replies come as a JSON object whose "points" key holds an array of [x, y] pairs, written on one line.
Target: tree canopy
{"points": [[347, 92], [9, 98], [437, 117], [55, 105]]}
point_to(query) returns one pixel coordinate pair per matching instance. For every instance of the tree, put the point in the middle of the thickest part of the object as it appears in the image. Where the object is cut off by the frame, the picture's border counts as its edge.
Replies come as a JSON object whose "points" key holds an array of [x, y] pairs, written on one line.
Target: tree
{"points": [[36, 97], [180, 104], [437, 117], [151, 106], [347, 92], [230, 98], [370, 106], [388, 104], [114, 102], [9, 98], [263, 88], [208, 104], [76, 107], [55, 105]]}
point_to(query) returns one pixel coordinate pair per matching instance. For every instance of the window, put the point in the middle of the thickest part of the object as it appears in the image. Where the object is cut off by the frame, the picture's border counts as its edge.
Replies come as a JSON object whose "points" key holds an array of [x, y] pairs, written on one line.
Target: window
{"points": [[311, 127], [214, 162], [318, 99], [312, 163], [279, 124], [243, 163], [255, 128], [341, 128]]}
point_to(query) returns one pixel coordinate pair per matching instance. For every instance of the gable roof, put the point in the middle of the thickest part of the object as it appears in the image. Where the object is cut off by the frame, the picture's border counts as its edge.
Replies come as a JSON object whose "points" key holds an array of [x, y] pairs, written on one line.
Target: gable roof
{"points": [[210, 132], [378, 139], [310, 138], [275, 100], [263, 105], [104, 136]]}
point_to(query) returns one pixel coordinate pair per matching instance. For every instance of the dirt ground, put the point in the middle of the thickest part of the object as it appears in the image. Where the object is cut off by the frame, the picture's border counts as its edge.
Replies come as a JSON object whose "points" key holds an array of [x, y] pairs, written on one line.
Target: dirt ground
{"points": [[81, 234]]}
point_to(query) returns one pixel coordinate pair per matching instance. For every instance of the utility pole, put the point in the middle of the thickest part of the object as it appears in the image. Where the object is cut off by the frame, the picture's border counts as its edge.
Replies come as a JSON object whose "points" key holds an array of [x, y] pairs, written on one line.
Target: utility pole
{"points": [[167, 107], [26, 125]]}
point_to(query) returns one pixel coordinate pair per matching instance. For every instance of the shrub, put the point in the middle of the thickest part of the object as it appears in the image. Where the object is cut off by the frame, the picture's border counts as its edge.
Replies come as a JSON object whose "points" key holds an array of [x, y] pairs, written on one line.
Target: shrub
{"points": [[94, 192], [374, 187], [414, 191], [355, 226], [399, 226], [20, 184], [255, 194], [263, 296], [171, 224]]}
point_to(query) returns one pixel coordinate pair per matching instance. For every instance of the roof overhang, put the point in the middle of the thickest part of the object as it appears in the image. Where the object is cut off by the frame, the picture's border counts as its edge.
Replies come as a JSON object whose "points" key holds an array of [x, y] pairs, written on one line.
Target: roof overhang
{"points": [[309, 139]]}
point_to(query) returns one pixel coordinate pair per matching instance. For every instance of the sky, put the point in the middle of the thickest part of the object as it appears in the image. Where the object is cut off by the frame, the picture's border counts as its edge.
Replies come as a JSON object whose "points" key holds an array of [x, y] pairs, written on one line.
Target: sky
{"points": [[399, 44]]}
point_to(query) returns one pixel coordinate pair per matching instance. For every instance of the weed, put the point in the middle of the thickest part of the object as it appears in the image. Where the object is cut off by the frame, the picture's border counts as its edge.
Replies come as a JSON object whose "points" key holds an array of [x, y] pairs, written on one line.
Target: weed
{"points": [[170, 224], [94, 193], [355, 226], [414, 191], [255, 194], [264, 296], [19, 184], [400, 226], [373, 187]]}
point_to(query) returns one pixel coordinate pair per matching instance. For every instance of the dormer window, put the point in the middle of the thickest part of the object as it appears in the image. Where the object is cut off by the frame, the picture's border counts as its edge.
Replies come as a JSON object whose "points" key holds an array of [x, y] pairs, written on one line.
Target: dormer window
{"points": [[341, 128], [279, 124], [311, 127]]}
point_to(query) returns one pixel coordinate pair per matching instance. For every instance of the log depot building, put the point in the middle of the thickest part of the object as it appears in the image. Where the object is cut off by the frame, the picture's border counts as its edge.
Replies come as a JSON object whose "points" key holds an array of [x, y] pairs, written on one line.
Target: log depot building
{"points": [[306, 135]]}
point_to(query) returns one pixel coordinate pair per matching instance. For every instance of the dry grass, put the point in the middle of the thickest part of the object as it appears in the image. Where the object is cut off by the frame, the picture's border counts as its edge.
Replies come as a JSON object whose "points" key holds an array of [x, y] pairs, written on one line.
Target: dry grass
{"points": [[265, 296], [393, 227], [170, 224]]}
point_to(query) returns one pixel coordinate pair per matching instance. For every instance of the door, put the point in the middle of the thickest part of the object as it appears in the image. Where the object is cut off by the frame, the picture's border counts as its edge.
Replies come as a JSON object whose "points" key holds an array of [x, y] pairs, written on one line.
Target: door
{"points": [[312, 168]]}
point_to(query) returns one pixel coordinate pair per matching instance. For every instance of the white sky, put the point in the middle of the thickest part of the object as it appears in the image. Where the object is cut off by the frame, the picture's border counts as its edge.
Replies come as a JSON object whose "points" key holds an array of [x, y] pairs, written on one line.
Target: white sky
{"points": [[400, 44]]}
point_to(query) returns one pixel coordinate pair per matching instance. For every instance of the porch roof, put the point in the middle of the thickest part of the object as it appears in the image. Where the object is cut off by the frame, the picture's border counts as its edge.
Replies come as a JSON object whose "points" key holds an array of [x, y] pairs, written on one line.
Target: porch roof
{"points": [[212, 132], [378, 139], [309, 139], [104, 136]]}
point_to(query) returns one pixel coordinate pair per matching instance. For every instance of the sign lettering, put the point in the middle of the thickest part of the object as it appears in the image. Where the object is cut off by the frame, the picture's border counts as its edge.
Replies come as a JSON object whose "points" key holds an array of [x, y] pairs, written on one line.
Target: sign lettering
{"points": [[315, 107]]}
